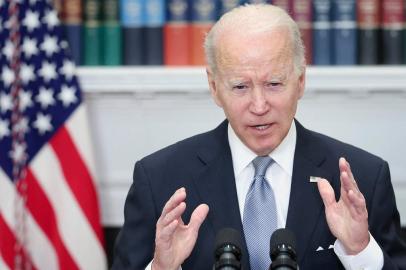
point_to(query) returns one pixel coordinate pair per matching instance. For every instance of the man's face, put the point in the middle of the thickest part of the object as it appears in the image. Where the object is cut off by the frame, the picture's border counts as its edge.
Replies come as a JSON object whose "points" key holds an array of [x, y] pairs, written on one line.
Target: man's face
{"points": [[257, 87]]}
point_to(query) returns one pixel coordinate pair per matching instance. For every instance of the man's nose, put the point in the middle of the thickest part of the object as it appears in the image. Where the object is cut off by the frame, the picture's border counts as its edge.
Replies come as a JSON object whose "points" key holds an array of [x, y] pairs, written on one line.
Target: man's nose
{"points": [[259, 104]]}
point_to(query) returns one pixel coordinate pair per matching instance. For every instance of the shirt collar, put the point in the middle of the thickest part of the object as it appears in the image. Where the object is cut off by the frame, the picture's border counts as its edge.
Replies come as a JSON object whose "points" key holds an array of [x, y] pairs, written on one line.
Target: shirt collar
{"points": [[283, 154]]}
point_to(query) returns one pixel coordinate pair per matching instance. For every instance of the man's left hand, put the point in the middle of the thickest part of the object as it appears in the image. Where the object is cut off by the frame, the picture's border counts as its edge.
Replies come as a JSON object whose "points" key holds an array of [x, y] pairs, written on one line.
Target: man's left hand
{"points": [[347, 218]]}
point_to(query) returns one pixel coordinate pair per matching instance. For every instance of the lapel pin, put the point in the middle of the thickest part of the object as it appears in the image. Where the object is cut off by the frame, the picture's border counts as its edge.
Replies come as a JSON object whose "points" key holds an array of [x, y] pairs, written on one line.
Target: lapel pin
{"points": [[314, 179]]}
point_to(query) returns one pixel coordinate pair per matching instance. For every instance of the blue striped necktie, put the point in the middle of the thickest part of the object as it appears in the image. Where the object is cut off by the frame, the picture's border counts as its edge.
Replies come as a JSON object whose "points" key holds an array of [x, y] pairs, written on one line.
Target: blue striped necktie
{"points": [[260, 217]]}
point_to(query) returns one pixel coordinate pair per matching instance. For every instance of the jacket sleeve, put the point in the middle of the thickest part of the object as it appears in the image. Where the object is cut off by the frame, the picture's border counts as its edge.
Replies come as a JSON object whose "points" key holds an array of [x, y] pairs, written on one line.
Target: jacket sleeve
{"points": [[384, 221], [134, 246]]}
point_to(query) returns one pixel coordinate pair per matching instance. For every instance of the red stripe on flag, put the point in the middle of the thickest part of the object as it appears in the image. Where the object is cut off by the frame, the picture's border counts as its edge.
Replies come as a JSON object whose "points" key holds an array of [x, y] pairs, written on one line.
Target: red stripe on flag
{"points": [[7, 245], [78, 178], [42, 211]]}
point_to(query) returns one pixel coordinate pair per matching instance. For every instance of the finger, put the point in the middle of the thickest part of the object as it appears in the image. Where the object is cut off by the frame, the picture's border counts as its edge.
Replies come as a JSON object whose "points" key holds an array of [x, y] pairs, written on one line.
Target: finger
{"points": [[326, 192], [165, 234], [348, 183], [198, 216], [358, 202], [178, 197], [345, 167], [176, 213]]}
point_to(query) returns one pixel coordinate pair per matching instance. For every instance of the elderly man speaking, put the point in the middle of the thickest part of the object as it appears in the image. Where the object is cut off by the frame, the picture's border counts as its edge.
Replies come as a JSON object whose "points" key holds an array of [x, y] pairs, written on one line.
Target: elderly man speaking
{"points": [[252, 172]]}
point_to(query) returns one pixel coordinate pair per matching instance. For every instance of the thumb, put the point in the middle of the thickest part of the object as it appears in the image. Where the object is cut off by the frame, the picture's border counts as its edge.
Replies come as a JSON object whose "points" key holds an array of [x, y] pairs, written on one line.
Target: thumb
{"points": [[326, 192], [198, 216]]}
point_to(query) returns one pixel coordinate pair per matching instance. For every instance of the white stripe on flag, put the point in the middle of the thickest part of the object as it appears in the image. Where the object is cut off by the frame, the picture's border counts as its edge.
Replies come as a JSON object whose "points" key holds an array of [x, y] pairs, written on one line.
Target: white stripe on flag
{"points": [[76, 233], [3, 265], [40, 249], [78, 128]]}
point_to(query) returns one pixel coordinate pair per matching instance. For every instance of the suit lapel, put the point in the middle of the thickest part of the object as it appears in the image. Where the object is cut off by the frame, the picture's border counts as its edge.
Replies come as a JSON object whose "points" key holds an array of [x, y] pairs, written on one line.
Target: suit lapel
{"points": [[305, 204], [215, 184]]}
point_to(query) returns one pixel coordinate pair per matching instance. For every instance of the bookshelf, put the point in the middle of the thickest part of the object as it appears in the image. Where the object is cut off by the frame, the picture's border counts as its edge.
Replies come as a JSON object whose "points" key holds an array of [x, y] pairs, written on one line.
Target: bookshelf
{"points": [[135, 111], [193, 79]]}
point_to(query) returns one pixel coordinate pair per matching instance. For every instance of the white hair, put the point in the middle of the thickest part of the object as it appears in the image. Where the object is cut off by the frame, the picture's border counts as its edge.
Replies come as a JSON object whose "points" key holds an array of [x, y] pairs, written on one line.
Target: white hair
{"points": [[255, 18]]}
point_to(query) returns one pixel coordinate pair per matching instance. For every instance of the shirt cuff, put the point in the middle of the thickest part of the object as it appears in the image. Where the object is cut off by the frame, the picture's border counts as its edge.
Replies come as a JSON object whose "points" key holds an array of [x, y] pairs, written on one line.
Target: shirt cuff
{"points": [[149, 266], [371, 258]]}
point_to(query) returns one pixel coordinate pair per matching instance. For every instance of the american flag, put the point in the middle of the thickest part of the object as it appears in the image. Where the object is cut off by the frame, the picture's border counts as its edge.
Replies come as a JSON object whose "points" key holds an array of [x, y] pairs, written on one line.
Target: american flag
{"points": [[49, 213]]}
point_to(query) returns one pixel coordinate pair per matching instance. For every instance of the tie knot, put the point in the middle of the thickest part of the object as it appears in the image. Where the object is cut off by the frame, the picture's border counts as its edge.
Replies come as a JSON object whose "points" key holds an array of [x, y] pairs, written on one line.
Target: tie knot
{"points": [[261, 164]]}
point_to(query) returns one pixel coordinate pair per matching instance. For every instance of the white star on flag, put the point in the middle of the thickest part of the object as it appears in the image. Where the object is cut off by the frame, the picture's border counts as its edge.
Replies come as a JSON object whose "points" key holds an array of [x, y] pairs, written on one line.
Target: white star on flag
{"points": [[22, 125], [8, 49], [45, 97], [68, 69], [5, 102], [18, 153], [29, 47], [49, 45], [7, 76], [4, 130], [25, 100], [67, 95], [51, 19], [31, 20], [48, 71], [26, 73], [43, 123]]}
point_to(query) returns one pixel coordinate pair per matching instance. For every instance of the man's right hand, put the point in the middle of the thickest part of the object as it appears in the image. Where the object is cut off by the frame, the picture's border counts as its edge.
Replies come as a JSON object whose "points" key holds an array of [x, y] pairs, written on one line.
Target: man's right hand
{"points": [[174, 241]]}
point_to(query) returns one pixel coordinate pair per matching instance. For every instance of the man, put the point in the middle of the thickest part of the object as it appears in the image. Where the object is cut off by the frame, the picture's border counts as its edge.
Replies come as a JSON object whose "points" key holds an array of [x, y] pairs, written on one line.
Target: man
{"points": [[184, 194]]}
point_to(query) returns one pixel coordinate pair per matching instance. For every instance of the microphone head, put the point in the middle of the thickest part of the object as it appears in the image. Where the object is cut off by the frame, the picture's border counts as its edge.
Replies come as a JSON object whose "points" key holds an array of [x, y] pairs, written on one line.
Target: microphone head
{"points": [[228, 237], [282, 239]]}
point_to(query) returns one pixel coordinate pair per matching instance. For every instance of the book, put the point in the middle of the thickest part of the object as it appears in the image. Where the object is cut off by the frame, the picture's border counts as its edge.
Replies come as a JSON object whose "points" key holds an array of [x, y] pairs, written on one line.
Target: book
{"points": [[203, 16], [92, 35], [322, 33], [153, 32], [368, 31], [71, 17], [111, 34], [284, 4], [392, 31], [177, 33], [302, 14], [132, 23], [225, 6], [344, 32]]}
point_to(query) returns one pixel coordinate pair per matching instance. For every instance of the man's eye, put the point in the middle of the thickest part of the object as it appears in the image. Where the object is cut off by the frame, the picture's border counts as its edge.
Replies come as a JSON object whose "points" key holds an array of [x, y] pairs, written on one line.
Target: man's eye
{"points": [[240, 87]]}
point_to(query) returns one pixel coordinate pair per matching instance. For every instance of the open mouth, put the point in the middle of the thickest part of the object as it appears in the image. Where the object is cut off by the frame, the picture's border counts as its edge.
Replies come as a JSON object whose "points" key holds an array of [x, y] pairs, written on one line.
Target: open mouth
{"points": [[261, 127]]}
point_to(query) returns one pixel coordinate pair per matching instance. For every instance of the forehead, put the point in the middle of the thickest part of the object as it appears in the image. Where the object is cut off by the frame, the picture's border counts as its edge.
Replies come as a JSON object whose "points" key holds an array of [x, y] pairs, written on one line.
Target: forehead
{"points": [[270, 51]]}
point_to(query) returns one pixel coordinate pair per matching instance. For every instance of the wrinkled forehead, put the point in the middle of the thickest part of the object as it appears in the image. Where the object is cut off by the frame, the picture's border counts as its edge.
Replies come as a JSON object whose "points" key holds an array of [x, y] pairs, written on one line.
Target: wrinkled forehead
{"points": [[271, 50]]}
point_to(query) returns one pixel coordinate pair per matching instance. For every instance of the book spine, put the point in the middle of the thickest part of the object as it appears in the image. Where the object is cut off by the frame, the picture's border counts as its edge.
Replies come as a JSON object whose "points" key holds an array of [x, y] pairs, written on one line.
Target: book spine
{"points": [[132, 22], [258, 1], [203, 16], [91, 41], [284, 4], [155, 19], [176, 33], [404, 33], [368, 31], [111, 34], [392, 31], [302, 14], [225, 6], [322, 32], [71, 15], [344, 32]]}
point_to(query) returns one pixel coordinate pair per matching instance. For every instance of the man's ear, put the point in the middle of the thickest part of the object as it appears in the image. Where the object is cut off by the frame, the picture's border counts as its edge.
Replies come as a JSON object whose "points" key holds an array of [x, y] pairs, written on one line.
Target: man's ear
{"points": [[213, 87], [302, 82]]}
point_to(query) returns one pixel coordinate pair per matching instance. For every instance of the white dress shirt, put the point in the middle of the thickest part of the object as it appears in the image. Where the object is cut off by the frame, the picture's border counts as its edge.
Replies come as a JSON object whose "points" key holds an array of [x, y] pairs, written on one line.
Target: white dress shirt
{"points": [[279, 176]]}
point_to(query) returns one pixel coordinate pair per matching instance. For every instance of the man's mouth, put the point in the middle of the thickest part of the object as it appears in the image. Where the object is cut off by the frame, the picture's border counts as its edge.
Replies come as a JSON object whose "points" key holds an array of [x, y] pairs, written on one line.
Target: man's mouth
{"points": [[261, 127]]}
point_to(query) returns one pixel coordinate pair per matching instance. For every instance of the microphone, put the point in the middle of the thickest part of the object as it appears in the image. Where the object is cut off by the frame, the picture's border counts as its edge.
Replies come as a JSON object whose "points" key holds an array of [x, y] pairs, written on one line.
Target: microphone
{"points": [[283, 250], [227, 250]]}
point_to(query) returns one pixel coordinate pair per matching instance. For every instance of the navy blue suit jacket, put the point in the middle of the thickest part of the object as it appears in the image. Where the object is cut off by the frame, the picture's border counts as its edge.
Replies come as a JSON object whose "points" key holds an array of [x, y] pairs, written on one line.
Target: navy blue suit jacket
{"points": [[202, 164]]}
